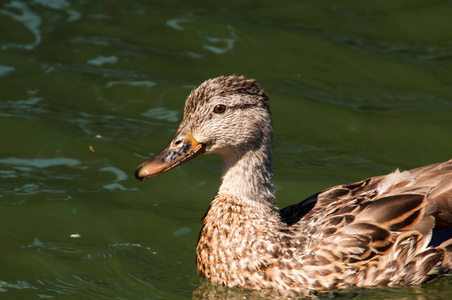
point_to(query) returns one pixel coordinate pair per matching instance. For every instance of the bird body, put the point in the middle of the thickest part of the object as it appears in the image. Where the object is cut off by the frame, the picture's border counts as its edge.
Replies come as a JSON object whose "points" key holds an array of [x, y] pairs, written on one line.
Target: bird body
{"points": [[387, 230]]}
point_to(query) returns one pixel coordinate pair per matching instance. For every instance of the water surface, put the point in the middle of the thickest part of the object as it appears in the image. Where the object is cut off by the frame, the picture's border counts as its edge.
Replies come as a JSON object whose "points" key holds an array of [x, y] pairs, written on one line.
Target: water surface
{"points": [[89, 89]]}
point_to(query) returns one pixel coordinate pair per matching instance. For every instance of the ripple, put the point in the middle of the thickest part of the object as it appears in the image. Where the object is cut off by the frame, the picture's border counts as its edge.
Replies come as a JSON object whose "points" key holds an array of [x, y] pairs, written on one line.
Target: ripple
{"points": [[54, 4], [101, 60], [162, 113], [40, 162], [28, 18], [181, 231], [117, 186], [377, 99], [175, 23], [90, 124], [4, 70], [132, 83], [221, 45], [61, 5], [56, 179], [227, 44], [19, 285], [32, 188], [404, 50]]}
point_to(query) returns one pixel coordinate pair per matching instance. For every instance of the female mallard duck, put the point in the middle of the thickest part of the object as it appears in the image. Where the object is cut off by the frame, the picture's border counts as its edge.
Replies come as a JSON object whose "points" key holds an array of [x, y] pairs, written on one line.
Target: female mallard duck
{"points": [[387, 230]]}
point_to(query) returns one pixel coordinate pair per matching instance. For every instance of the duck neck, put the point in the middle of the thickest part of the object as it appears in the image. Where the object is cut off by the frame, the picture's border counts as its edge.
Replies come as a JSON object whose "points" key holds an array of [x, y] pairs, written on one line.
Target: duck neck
{"points": [[248, 174], [240, 218]]}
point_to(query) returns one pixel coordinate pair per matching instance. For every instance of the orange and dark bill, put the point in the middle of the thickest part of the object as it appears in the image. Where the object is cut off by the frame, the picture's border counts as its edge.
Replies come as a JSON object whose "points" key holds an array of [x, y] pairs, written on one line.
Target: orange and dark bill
{"points": [[181, 149]]}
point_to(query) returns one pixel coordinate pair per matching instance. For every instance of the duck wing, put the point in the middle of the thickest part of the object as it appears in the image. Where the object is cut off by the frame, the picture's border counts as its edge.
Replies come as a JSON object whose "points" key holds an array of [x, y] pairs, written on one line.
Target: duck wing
{"points": [[379, 230]]}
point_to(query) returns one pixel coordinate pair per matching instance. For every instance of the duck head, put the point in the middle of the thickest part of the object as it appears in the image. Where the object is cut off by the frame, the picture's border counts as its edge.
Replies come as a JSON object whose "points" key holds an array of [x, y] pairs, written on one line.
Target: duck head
{"points": [[228, 115]]}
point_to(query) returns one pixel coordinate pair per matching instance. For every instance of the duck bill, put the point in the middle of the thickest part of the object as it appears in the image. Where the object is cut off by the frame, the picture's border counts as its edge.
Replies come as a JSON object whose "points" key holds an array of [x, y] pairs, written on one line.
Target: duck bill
{"points": [[181, 149]]}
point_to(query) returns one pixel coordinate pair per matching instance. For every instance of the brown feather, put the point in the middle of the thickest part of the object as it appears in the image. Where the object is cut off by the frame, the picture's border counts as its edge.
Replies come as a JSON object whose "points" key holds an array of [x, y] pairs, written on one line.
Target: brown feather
{"points": [[387, 230]]}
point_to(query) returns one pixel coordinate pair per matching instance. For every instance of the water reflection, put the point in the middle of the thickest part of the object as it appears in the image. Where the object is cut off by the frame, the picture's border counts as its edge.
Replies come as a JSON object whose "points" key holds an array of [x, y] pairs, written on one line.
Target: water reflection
{"points": [[208, 290]]}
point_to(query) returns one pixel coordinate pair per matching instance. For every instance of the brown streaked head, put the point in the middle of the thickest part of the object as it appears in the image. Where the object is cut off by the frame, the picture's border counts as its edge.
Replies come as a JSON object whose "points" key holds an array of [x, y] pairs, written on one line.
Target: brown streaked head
{"points": [[223, 115]]}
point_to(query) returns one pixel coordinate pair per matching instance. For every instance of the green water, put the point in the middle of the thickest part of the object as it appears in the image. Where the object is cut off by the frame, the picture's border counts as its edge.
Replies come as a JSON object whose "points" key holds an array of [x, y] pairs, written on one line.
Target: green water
{"points": [[89, 89]]}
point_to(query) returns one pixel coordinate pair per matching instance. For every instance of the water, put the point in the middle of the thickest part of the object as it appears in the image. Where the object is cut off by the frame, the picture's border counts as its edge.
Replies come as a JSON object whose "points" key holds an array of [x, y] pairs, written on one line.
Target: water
{"points": [[91, 88]]}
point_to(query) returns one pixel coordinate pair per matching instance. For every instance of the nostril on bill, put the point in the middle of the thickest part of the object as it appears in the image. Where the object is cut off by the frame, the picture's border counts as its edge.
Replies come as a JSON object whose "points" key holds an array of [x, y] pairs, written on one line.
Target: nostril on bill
{"points": [[176, 143]]}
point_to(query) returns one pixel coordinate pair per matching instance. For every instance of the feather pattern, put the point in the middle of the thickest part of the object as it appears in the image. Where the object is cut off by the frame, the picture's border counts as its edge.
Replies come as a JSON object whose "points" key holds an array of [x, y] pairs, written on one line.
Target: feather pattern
{"points": [[387, 230]]}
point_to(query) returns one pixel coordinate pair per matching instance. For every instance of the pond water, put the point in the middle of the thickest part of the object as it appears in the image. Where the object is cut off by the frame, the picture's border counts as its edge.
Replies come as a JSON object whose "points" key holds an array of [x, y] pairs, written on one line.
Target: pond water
{"points": [[89, 89]]}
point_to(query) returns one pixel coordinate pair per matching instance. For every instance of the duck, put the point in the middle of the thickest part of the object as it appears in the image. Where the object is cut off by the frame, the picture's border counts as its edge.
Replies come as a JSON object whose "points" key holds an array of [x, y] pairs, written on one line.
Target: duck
{"points": [[388, 230]]}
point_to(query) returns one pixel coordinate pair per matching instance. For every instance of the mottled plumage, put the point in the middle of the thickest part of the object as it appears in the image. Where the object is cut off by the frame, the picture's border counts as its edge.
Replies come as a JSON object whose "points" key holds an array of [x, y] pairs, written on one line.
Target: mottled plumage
{"points": [[387, 230]]}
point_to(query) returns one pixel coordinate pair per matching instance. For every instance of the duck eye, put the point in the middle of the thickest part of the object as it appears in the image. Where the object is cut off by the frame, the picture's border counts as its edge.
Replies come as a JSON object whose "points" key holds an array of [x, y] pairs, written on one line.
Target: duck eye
{"points": [[219, 109]]}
